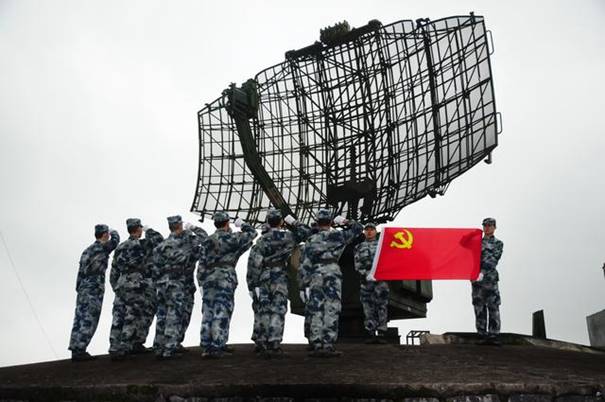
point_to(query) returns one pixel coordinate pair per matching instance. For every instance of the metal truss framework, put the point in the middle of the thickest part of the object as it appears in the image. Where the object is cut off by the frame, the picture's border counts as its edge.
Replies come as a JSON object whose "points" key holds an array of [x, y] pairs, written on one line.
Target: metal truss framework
{"points": [[366, 126]]}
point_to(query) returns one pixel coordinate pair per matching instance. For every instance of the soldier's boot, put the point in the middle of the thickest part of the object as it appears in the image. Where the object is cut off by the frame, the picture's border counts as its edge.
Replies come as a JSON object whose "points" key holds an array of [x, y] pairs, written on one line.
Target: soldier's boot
{"points": [[329, 351], [316, 350], [81, 356], [180, 349], [228, 350], [275, 350], [493, 340], [371, 338], [381, 337], [258, 348], [139, 348], [168, 356]]}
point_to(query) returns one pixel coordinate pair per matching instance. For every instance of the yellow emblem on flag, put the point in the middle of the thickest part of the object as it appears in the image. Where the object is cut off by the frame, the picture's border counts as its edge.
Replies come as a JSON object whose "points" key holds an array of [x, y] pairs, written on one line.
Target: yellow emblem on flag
{"points": [[406, 239]]}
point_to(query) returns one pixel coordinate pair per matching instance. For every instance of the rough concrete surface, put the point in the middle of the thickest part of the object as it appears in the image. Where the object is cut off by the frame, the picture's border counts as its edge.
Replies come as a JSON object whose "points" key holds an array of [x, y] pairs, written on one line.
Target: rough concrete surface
{"points": [[365, 373]]}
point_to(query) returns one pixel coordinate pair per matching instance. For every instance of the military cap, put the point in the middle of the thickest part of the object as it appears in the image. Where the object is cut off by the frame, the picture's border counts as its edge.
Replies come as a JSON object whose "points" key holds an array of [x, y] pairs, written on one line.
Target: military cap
{"points": [[274, 214], [101, 228], [489, 221], [369, 225], [133, 223], [324, 213], [220, 216], [174, 220]]}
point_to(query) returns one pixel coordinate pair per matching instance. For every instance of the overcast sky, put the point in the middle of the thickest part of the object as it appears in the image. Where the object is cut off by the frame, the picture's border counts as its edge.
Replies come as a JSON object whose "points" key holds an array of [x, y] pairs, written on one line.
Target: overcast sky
{"points": [[98, 123]]}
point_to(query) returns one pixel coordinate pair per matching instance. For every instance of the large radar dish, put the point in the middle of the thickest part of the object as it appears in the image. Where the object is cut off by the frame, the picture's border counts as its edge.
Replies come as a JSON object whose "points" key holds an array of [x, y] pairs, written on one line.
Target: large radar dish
{"points": [[365, 122]]}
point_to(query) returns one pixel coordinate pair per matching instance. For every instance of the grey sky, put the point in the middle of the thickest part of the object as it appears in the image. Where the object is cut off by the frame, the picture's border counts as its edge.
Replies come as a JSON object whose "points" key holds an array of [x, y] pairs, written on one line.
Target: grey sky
{"points": [[98, 105]]}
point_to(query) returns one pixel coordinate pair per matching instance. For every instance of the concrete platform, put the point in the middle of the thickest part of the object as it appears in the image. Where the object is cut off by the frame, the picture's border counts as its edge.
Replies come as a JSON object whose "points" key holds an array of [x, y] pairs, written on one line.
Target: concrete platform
{"points": [[444, 372]]}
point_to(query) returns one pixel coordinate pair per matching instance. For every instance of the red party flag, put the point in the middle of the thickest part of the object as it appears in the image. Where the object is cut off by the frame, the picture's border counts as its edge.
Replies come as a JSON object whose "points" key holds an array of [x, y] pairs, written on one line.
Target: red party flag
{"points": [[427, 253]]}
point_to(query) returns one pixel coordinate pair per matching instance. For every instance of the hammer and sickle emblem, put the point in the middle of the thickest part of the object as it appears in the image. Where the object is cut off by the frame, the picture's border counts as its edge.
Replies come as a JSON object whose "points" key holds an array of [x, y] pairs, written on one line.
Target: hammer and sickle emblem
{"points": [[406, 239]]}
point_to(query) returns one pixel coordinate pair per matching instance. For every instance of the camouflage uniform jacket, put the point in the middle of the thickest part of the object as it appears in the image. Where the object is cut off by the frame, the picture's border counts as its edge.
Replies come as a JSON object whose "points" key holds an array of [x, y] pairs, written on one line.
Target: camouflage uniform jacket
{"points": [[270, 254], [364, 257], [174, 258], [93, 263], [323, 250], [491, 251], [132, 262], [222, 249]]}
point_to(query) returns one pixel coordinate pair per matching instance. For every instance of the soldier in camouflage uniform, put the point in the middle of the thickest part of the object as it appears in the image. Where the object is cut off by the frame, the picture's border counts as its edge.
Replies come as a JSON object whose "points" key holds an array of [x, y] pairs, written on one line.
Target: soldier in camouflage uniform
{"points": [[322, 280], [374, 295], [218, 280], [254, 260], [90, 287], [194, 236], [267, 277], [303, 294], [173, 259], [486, 296], [131, 280]]}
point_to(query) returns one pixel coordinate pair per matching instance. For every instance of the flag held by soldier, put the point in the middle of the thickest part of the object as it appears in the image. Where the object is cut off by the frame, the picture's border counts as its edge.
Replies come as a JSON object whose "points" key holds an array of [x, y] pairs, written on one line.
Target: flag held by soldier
{"points": [[427, 253]]}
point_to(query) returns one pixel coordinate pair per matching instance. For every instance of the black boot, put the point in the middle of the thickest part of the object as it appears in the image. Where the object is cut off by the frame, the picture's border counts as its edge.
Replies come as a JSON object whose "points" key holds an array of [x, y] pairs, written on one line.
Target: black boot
{"points": [[81, 356]]}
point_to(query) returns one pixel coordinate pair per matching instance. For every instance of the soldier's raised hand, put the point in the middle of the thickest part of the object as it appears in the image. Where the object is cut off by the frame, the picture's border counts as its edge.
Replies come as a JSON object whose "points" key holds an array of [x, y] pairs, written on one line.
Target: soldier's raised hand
{"points": [[290, 219], [145, 228], [238, 223], [188, 226]]}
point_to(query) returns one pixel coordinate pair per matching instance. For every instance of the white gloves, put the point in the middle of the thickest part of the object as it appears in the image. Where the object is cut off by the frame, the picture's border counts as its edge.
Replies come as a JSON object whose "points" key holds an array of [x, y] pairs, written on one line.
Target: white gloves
{"points": [[145, 228], [290, 219], [188, 226], [304, 295], [480, 277], [340, 220], [238, 223], [257, 292], [370, 278]]}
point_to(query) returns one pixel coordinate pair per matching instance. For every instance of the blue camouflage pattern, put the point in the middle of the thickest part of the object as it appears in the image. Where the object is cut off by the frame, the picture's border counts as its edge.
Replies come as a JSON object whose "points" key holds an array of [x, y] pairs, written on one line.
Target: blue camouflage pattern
{"points": [[90, 288], [485, 293], [132, 282], [217, 278], [321, 273], [373, 295], [267, 271], [173, 261]]}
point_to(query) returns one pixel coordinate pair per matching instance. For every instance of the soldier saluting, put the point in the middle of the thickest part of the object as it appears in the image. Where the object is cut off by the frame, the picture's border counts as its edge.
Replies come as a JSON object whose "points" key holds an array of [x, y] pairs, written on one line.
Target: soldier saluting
{"points": [[486, 295], [374, 295], [173, 260], [268, 281], [90, 287], [217, 278], [131, 280], [322, 280]]}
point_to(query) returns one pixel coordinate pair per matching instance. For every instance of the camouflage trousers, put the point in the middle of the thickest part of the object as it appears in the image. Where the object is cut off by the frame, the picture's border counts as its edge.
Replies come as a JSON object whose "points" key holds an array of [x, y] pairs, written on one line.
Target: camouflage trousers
{"points": [[187, 310], [256, 326], [149, 310], [88, 311], [171, 299], [307, 324], [217, 308], [324, 308], [486, 301], [374, 297], [129, 320], [273, 306]]}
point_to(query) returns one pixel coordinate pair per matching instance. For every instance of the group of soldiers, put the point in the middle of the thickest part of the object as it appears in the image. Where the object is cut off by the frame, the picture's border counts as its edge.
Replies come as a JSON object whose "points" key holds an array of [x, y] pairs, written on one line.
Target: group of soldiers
{"points": [[153, 276]]}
